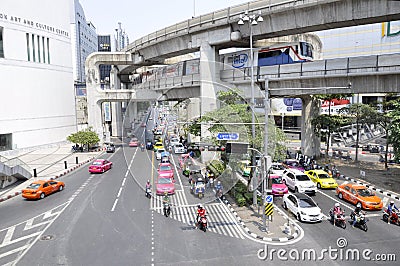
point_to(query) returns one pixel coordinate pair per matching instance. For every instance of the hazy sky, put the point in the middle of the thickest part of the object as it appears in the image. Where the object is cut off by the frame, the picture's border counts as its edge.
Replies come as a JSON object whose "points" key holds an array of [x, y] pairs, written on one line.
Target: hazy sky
{"points": [[142, 17]]}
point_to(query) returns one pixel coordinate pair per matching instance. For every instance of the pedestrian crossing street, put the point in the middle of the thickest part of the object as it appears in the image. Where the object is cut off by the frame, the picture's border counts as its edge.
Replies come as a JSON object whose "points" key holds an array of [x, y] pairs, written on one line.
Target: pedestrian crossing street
{"points": [[220, 219]]}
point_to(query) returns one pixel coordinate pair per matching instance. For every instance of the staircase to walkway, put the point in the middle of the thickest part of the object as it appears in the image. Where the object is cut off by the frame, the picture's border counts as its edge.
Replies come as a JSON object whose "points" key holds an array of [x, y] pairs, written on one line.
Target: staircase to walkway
{"points": [[348, 134], [14, 168]]}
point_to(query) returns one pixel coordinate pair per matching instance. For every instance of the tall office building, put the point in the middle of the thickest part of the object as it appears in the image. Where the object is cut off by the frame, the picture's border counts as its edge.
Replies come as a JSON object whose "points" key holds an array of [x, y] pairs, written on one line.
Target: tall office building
{"points": [[36, 73], [121, 38], [84, 40]]}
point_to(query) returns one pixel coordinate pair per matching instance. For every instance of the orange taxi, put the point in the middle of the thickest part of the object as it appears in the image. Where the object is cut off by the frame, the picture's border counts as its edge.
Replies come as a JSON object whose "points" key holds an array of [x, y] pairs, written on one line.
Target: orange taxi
{"points": [[41, 188], [360, 196]]}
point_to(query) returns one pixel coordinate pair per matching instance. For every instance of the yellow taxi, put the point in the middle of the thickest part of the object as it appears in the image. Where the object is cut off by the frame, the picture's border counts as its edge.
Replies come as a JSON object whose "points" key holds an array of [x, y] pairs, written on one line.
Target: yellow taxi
{"points": [[158, 145], [321, 178], [244, 167]]}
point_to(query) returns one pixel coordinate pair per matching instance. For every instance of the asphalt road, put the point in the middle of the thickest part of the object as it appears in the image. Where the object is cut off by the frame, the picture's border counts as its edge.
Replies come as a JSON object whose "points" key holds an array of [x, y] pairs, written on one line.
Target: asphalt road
{"points": [[104, 219]]}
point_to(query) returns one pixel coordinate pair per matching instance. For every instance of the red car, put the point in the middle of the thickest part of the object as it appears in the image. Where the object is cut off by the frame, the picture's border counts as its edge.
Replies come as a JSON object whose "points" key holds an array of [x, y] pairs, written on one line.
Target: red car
{"points": [[165, 170], [165, 185], [134, 142], [100, 166], [39, 189]]}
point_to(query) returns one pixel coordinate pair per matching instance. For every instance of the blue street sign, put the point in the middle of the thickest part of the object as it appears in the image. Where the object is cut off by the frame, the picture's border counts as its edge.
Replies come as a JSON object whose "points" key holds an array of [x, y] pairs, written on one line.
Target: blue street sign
{"points": [[269, 199], [227, 136]]}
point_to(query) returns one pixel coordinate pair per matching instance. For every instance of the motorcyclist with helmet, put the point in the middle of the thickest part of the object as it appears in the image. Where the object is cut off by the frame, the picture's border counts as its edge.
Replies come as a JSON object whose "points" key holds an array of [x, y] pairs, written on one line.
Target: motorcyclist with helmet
{"points": [[337, 212], [166, 204], [357, 215], [148, 187], [390, 209], [142, 146], [218, 189], [166, 198], [201, 212]]}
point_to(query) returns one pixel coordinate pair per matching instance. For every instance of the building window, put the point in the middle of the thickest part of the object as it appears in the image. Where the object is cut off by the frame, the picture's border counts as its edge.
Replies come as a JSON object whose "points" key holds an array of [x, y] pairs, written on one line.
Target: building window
{"points": [[44, 51], [1, 43], [5, 142], [28, 48], [48, 50], [33, 48], [38, 48]]}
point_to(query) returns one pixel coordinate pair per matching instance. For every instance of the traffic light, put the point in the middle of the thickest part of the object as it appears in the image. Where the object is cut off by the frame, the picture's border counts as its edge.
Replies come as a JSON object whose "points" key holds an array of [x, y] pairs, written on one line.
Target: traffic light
{"points": [[237, 147]]}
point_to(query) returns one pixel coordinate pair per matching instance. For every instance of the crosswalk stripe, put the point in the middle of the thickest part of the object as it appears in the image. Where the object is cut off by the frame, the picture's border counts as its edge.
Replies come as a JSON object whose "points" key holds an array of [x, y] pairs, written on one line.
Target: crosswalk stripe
{"points": [[217, 224]]}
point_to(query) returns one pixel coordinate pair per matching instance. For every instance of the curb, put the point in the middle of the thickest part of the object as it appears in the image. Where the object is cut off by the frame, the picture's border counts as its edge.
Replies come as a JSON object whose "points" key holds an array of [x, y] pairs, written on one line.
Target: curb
{"points": [[389, 194], [254, 235], [16, 193]]}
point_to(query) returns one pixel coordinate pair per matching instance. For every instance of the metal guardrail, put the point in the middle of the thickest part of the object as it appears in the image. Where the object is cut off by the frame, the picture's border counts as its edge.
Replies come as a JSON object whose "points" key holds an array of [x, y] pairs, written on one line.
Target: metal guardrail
{"points": [[216, 18]]}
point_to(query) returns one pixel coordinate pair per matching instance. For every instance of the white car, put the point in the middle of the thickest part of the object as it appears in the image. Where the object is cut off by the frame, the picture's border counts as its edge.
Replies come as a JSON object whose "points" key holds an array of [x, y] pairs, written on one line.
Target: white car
{"points": [[179, 148], [277, 168], [158, 153], [298, 181], [174, 141], [303, 207]]}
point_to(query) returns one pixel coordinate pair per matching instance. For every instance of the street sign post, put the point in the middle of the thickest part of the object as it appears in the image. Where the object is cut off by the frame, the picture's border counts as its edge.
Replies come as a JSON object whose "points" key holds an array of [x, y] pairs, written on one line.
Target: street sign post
{"points": [[269, 199], [227, 136], [269, 209]]}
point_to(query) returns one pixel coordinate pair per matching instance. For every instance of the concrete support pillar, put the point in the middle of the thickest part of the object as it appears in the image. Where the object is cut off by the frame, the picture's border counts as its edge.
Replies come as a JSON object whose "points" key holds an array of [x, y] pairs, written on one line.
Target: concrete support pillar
{"points": [[131, 115], [310, 143], [95, 120], [116, 108], [116, 120], [208, 77]]}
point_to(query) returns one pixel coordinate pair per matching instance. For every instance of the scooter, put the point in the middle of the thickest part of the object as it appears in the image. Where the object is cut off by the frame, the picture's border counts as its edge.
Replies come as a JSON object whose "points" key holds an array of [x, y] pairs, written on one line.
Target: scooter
{"points": [[203, 223], [339, 221], [361, 221], [148, 193], [394, 218], [167, 209]]}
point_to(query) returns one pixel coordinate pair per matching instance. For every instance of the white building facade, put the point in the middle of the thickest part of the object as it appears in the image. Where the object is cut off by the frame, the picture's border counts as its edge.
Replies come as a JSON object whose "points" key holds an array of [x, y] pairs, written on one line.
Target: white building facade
{"points": [[36, 73]]}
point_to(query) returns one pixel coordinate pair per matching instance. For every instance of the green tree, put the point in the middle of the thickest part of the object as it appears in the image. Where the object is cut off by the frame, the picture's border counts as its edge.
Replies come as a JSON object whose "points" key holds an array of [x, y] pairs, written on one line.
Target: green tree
{"points": [[235, 116], [328, 122], [84, 137], [389, 119]]}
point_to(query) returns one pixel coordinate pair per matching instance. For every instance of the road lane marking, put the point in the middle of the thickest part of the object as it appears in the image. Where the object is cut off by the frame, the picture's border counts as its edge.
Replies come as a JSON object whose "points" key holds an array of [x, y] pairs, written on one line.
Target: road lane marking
{"points": [[180, 181], [9, 234], [5, 254], [338, 201], [115, 203]]}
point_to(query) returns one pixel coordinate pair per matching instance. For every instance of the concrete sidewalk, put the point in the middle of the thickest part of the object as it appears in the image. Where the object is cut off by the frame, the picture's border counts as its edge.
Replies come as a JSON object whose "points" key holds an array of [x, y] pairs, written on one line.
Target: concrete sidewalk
{"points": [[50, 161]]}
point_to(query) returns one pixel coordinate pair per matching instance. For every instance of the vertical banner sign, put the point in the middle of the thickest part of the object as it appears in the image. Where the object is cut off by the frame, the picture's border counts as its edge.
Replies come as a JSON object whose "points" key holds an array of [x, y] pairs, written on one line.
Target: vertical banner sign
{"points": [[107, 111]]}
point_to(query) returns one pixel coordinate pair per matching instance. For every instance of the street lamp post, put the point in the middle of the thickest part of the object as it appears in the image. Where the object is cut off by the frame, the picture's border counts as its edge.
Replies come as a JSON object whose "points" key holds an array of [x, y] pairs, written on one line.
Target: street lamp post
{"points": [[251, 20]]}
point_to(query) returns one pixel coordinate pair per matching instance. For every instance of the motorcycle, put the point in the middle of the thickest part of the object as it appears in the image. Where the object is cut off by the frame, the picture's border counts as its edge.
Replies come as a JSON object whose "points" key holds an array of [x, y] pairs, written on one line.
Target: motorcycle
{"points": [[148, 193], [394, 218], [218, 194], [361, 221], [202, 223], [339, 221], [167, 209], [142, 147]]}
